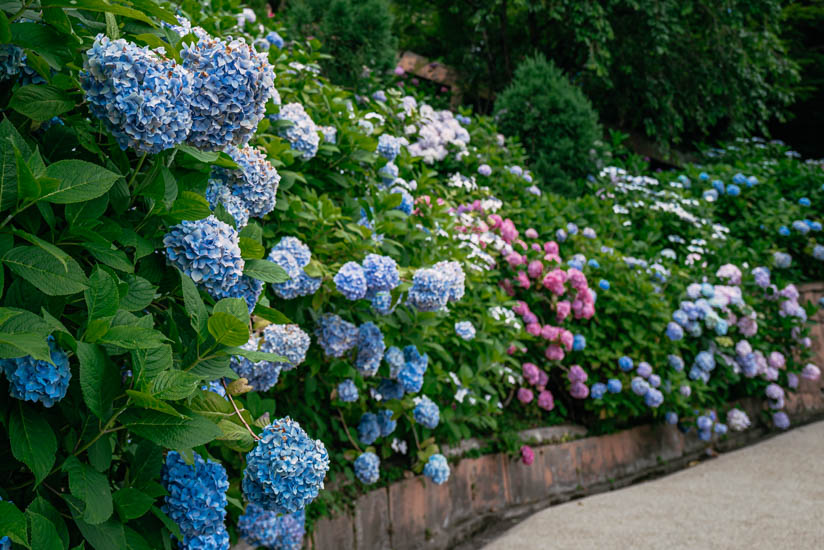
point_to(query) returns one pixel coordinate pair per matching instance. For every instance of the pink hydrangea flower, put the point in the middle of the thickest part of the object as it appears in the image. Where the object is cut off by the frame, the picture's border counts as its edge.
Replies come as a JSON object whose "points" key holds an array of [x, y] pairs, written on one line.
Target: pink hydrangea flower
{"points": [[531, 233], [527, 455], [535, 269], [577, 279], [543, 379], [523, 279], [579, 390], [729, 272], [576, 374], [525, 395], [522, 244], [514, 259], [530, 372], [536, 247], [562, 310], [567, 339], [530, 317], [554, 352], [506, 284], [495, 221], [554, 281], [546, 401], [511, 349], [748, 326], [550, 333], [776, 360], [792, 380], [520, 308], [508, 231], [534, 329], [551, 247]]}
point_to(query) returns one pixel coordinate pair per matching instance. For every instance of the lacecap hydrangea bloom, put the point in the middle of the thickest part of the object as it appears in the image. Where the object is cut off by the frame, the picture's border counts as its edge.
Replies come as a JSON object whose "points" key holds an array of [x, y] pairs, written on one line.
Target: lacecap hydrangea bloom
{"points": [[350, 281], [293, 256], [232, 83], [335, 335], [255, 183], [35, 380], [287, 340], [196, 499], [347, 391], [437, 469], [285, 471], [261, 375], [426, 413], [143, 98], [206, 250], [302, 134], [259, 527], [367, 468], [370, 349], [465, 330]]}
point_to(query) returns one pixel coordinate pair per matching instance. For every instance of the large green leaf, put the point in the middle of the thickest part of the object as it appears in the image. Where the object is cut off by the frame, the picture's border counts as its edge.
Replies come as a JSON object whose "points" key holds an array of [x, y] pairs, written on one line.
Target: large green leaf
{"points": [[102, 298], [40, 102], [46, 272], [194, 305], [227, 329], [140, 294], [133, 337], [99, 379], [108, 535], [132, 503], [32, 440], [13, 523], [148, 401], [266, 271], [43, 532], [236, 307], [148, 363], [79, 181], [10, 139], [92, 487], [100, 6], [174, 384], [189, 206], [168, 431]]}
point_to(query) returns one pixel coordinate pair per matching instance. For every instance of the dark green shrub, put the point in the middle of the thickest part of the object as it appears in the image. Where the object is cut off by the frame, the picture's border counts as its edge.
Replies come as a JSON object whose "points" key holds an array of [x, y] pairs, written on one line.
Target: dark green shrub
{"points": [[553, 119], [355, 33]]}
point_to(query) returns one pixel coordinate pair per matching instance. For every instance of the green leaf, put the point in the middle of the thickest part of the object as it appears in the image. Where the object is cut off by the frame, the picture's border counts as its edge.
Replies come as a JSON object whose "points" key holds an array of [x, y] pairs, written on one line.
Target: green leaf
{"points": [[27, 187], [250, 249], [45, 509], [13, 523], [58, 253], [148, 401], [235, 432], [45, 272], [108, 535], [236, 307], [194, 305], [272, 315], [43, 532], [173, 385], [256, 356], [111, 256], [102, 299], [21, 344], [99, 379], [208, 157], [148, 363], [92, 487], [140, 294], [100, 454], [40, 102], [168, 431], [189, 206], [132, 503], [133, 337], [79, 181], [227, 329], [10, 139], [266, 271], [32, 440], [99, 5], [135, 541], [112, 31], [5, 29]]}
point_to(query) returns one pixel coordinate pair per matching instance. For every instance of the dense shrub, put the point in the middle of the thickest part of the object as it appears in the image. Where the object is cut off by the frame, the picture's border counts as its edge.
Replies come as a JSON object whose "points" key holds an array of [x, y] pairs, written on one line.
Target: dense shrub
{"points": [[554, 121]]}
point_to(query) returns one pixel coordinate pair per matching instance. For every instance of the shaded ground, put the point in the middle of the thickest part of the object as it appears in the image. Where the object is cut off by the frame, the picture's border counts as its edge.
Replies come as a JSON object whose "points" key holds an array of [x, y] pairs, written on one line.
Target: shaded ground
{"points": [[769, 495]]}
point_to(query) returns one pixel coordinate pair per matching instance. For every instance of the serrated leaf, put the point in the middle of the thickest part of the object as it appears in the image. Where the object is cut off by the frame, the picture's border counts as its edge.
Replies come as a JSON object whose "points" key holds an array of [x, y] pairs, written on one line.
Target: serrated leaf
{"points": [[13, 523], [227, 329], [99, 6], [99, 379], [47, 510], [236, 307], [32, 440], [132, 503], [194, 305], [148, 401], [251, 249], [100, 454], [45, 272], [235, 432], [140, 294], [189, 206], [110, 256], [133, 337], [102, 299], [91, 487], [43, 532], [272, 315], [147, 363], [256, 356], [213, 368], [40, 102], [266, 271], [79, 181], [173, 385], [108, 535], [168, 431]]}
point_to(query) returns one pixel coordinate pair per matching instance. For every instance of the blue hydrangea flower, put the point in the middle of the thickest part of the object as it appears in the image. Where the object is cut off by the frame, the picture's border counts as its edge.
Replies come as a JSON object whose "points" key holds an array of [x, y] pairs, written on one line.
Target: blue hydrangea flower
{"points": [[255, 183], [367, 468], [675, 362], [407, 204], [704, 423], [429, 290], [818, 252], [784, 231], [197, 494], [579, 342], [261, 45], [347, 391], [614, 385], [804, 201], [674, 331], [11, 61], [34, 380], [640, 386], [680, 317], [216, 540], [381, 273], [644, 369], [262, 375], [394, 358], [653, 398], [705, 360], [248, 289], [285, 471], [671, 418], [330, 134], [426, 413], [733, 190], [370, 349], [560, 235], [801, 227], [215, 387], [302, 134], [385, 422], [382, 302], [389, 146], [232, 83], [598, 390], [718, 185], [335, 335], [390, 389], [143, 98], [206, 250], [217, 193], [411, 375], [259, 527], [275, 39], [485, 170], [350, 281], [625, 363], [437, 469], [288, 341], [389, 173], [720, 428], [368, 429], [293, 256], [654, 380], [380, 96], [703, 176], [782, 260], [465, 330]]}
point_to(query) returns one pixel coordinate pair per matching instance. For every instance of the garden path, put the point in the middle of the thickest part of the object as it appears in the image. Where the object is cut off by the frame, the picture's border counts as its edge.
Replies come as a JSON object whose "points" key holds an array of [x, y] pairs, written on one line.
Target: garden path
{"points": [[769, 495]]}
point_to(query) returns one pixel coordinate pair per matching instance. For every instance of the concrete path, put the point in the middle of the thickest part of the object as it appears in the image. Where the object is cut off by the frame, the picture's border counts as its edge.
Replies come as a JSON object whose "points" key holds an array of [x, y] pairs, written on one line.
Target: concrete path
{"points": [[767, 496]]}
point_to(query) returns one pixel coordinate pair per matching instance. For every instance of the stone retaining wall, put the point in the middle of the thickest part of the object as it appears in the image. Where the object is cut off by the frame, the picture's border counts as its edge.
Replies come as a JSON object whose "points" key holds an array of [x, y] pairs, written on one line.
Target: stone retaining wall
{"points": [[417, 514]]}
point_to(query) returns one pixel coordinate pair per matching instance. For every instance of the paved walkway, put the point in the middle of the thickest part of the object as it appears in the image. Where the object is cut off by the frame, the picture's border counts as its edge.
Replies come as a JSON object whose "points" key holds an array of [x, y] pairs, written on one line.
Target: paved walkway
{"points": [[767, 496]]}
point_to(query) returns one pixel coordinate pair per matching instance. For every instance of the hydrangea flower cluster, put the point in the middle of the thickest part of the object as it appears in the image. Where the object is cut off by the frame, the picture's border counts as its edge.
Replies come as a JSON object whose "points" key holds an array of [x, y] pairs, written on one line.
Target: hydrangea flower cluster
{"points": [[335, 335], [350, 281], [432, 288], [287, 340], [144, 99], [367, 468], [261, 375], [231, 85], [426, 413], [253, 187], [389, 147], [36, 380], [302, 134], [410, 375], [11, 61], [368, 428], [465, 329], [347, 391], [293, 256], [206, 250], [437, 469], [197, 500], [370, 349], [438, 130], [259, 527], [285, 471]]}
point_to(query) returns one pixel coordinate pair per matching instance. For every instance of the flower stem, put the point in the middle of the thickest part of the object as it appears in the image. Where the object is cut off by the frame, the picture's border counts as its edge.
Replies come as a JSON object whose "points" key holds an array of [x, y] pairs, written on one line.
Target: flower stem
{"points": [[348, 435], [137, 169], [237, 411]]}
